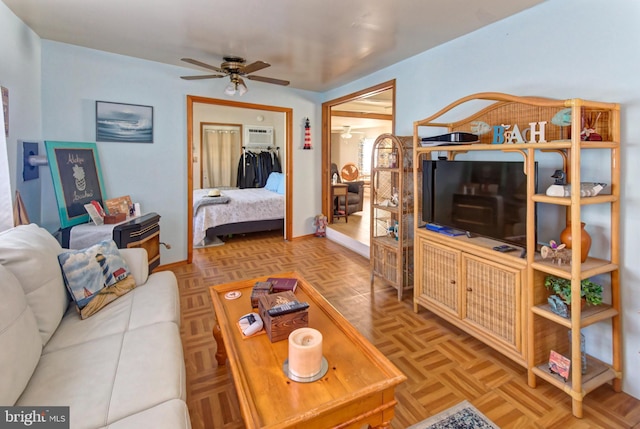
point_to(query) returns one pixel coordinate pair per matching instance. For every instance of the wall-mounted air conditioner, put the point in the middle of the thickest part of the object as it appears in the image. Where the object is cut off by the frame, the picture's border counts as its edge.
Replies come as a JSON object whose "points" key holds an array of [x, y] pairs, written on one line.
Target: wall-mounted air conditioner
{"points": [[258, 136]]}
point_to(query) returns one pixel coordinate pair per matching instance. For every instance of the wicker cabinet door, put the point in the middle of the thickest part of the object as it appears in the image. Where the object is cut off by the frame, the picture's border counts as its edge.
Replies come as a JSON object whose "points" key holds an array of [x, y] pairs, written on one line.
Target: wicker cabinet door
{"points": [[492, 299], [440, 276]]}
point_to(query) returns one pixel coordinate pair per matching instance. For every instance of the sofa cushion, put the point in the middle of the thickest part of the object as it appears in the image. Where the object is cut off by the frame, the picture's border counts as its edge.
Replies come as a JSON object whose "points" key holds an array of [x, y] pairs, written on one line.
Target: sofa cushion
{"points": [[31, 254], [111, 378], [95, 276], [154, 302], [171, 414], [137, 259], [20, 343]]}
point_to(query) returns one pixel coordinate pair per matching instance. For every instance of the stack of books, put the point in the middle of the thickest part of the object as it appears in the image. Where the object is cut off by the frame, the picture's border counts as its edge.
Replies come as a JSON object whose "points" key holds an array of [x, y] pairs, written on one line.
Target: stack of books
{"points": [[272, 285], [283, 284], [260, 289]]}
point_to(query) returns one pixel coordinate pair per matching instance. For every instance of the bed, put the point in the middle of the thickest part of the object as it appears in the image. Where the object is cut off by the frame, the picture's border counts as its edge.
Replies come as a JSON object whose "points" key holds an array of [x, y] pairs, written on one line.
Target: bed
{"points": [[247, 210]]}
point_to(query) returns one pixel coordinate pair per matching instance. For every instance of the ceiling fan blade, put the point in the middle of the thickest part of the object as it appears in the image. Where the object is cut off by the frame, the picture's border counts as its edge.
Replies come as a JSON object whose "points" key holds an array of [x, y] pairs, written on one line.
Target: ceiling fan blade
{"points": [[201, 64], [204, 76], [254, 67], [269, 80]]}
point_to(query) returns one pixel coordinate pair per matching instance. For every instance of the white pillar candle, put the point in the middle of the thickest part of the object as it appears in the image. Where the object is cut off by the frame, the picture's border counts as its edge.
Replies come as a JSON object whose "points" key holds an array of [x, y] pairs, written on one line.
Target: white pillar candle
{"points": [[305, 352]]}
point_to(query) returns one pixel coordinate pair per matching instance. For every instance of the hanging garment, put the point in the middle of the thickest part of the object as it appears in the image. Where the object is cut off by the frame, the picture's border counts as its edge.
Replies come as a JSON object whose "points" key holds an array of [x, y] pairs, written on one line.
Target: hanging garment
{"points": [[247, 169]]}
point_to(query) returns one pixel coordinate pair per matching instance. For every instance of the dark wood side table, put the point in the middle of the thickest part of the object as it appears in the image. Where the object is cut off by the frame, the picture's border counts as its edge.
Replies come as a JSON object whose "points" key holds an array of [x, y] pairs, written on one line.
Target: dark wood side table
{"points": [[338, 191], [142, 231]]}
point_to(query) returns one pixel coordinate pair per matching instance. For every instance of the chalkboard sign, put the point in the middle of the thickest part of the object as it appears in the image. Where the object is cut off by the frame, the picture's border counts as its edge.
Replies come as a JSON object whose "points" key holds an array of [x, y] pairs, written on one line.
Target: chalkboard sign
{"points": [[77, 179]]}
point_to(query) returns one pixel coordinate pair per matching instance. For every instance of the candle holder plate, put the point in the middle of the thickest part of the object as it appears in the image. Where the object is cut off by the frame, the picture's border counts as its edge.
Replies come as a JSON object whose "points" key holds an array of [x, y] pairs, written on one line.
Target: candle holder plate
{"points": [[324, 367]]}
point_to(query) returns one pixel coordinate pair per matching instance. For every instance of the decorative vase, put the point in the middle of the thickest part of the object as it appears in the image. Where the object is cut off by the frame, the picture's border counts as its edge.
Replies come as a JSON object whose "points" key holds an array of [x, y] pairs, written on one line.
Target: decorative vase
{"points": [[585, 240]]}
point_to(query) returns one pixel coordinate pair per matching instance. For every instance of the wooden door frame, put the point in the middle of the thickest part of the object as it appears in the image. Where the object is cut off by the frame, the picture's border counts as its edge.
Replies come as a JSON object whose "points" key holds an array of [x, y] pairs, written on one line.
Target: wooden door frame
{"points": [[326, 132], [288, 162]]}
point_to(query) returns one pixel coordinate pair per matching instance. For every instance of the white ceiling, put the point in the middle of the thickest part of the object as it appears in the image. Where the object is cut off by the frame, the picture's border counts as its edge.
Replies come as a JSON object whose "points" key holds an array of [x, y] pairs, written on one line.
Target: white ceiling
{"points": [[315, 44]]}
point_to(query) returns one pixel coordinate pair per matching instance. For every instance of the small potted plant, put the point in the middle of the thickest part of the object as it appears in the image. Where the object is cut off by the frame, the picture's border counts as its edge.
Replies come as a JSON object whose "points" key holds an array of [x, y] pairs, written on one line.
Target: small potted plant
{"points": [[590, 292]]}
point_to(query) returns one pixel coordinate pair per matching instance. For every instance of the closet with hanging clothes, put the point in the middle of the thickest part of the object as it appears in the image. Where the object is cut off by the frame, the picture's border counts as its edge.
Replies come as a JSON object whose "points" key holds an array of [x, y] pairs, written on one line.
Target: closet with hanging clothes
{"points": [[255, 165]]}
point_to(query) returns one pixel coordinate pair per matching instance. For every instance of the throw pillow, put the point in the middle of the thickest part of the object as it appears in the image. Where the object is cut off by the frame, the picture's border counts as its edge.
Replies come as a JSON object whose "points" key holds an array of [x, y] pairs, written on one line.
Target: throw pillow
{"points": [[272, 182], [280, 189], [95, 276]]}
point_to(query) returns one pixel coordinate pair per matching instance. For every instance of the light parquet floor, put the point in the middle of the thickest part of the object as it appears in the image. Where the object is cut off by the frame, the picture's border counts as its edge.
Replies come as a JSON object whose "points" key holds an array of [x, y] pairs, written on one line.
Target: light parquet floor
{"points": [[443, 364]]}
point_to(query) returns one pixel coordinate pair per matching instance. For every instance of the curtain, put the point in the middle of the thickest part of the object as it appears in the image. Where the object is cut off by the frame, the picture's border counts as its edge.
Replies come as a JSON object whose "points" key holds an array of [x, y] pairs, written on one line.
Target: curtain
{"points": [[219, 158]]}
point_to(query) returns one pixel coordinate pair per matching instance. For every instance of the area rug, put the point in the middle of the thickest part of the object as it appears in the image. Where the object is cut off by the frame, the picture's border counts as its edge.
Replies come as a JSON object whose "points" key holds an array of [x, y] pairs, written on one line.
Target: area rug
{"points": [[460, 416]]}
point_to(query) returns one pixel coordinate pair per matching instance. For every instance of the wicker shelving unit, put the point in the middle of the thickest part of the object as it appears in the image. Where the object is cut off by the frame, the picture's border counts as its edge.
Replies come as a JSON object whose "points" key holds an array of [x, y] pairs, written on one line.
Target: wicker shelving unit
{"points": [[391, 243], [445, 285]]}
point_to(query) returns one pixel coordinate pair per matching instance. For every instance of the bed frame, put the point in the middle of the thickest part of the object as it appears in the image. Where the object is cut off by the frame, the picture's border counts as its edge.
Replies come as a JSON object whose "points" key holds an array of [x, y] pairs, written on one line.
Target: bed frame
{"points": [[245, 227]]}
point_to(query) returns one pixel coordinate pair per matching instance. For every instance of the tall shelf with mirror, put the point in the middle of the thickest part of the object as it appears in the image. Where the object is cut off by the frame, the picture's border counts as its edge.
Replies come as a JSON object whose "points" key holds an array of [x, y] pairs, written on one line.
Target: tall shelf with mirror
{"points": [[391, 216], [501, 298]]}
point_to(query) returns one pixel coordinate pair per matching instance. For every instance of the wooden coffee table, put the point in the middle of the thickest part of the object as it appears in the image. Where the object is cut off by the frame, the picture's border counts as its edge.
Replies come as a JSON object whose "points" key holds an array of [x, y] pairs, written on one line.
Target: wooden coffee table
{"points": [[358, 388]]}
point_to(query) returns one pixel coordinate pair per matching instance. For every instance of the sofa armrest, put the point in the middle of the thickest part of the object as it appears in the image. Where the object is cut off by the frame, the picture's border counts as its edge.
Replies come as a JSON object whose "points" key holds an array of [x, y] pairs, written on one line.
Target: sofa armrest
{"points": [[138, 261]]}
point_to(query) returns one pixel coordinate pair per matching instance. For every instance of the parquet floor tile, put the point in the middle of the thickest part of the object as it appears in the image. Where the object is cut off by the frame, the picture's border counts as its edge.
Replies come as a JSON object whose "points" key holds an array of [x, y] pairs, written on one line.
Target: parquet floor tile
{"points": [[443, 364]]}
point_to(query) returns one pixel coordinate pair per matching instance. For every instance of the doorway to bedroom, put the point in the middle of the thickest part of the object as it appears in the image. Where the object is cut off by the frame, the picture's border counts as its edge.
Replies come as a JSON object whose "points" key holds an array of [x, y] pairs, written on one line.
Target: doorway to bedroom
{"points": [[233, 145]]}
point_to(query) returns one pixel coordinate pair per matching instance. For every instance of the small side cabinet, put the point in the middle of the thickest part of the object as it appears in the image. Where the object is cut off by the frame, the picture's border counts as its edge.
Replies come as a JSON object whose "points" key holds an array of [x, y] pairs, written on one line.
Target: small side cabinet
{"points": [[142, 231]]}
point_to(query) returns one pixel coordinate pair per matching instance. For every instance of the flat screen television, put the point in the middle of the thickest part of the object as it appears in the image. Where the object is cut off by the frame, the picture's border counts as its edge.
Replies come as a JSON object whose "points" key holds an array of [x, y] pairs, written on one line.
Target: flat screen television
{"points": [[487, 198]]}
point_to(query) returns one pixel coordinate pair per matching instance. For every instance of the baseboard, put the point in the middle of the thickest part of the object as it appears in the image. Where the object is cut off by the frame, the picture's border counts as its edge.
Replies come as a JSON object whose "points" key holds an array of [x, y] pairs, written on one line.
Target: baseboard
{"points": [[348, 242]]}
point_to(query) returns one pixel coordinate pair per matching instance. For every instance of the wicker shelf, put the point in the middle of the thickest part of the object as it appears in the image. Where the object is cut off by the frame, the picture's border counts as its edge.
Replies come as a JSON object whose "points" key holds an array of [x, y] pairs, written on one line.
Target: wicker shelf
{"points": [[591, 267], [589, 315], [597, 374], [392, 209], [541, 329], [391, 179], [566, 201]]}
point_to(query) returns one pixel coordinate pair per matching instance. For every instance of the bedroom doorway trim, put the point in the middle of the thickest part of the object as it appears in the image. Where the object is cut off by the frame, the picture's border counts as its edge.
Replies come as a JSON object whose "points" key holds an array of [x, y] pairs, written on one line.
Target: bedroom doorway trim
{"points": [[287, 165]]}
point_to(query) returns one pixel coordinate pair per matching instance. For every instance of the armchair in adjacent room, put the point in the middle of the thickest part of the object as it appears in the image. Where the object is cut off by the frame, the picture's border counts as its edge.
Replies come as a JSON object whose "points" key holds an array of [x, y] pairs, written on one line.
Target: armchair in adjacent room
{"points": [[355, 194]]}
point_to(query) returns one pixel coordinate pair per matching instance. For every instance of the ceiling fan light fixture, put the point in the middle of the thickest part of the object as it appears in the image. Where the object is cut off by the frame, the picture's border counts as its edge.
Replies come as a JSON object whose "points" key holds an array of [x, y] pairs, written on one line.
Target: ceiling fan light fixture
{"points": [[236, 86], [241, 87], [230, 89], [347, 132], [234, 67]]}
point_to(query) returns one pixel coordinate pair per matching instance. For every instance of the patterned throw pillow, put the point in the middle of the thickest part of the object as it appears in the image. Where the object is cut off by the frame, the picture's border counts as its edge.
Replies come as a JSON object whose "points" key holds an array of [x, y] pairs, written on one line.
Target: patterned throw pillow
{"points": [[95, 276]]}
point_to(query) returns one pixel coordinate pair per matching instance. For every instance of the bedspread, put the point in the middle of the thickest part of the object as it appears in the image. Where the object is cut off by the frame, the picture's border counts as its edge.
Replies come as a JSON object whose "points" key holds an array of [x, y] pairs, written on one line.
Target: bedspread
{"points": [[249, 204]]}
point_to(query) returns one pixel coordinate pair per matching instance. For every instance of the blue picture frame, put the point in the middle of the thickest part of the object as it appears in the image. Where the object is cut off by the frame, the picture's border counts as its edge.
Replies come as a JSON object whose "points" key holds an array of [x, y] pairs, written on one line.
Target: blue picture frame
{"points": [[123, 123], [77, 179]]}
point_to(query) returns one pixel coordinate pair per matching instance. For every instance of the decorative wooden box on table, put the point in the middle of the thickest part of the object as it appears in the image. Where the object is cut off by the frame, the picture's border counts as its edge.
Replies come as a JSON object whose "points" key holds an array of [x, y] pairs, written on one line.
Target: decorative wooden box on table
{"points": [[279, 327], [500, 298]]}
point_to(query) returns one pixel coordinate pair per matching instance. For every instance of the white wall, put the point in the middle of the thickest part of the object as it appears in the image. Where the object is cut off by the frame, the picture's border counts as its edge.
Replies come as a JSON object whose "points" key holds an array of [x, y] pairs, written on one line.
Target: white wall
{"points": [[559, 49], [155, 175], [20, 73]]}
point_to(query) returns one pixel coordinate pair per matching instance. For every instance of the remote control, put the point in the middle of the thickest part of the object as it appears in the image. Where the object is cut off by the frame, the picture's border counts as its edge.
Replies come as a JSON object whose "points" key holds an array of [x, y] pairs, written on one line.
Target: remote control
{"points": [[289, 307], [505, 248]]}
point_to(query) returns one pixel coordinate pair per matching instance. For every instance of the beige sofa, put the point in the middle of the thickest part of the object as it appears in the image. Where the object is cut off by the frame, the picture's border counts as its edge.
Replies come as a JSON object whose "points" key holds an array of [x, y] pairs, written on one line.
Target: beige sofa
{"points": [[121, 368]]}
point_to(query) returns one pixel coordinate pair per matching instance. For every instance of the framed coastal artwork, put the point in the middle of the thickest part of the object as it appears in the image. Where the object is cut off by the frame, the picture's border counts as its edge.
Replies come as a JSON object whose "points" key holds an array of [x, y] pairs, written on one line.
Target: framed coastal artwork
{"points": [[77, 179], [126, 123]]}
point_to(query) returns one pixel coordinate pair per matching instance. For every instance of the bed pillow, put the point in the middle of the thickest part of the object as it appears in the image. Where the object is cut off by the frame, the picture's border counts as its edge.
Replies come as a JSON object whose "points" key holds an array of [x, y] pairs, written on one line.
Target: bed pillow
{"points": [[273, 181], [95, 276], [280, 189]]}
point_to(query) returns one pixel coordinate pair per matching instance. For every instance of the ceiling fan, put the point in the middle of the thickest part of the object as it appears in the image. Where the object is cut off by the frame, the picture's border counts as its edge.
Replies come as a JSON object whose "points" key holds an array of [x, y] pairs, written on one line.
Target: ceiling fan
{"points": [[347, 133], [236, 69]]}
